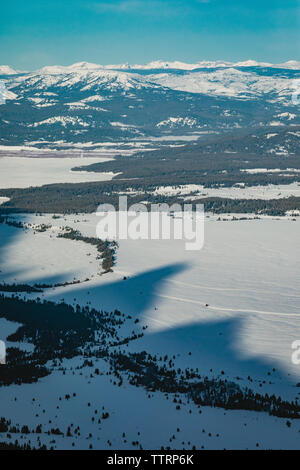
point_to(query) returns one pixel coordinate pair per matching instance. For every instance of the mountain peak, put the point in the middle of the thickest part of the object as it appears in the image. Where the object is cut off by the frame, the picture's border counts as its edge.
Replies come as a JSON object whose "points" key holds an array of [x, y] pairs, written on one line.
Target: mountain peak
{"points": [[156, 65], [7, 70], [85, 66], [78, 66]]}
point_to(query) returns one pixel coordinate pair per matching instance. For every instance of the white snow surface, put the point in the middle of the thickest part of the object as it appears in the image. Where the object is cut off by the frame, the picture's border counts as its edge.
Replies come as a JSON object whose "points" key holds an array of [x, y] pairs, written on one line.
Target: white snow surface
{"points": [[217, 78], [239, 191], [3, 200], [227, 82], [162, 64], [177, 122], [270, 170], [7, 70], [246, 273], [23, 172], [148, 418]]}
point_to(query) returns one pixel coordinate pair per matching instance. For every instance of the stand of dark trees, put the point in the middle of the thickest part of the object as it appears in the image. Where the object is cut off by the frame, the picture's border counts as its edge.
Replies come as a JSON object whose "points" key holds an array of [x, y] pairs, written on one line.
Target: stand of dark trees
{"points": [[18, 288], [56, 330], [106, 249], [86, 197], [221, 393], [60, 331]]}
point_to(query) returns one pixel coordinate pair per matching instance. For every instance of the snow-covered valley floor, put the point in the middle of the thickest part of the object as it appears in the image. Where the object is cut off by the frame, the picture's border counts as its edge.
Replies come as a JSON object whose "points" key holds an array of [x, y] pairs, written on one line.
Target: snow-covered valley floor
{"points": [[190, 192], [232, 310], [23, 172]]}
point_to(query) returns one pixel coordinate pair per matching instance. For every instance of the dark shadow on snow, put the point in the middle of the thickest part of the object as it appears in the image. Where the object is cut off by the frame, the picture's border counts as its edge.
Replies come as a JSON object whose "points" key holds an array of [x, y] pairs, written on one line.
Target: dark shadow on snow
{"points": [[213, 342]]}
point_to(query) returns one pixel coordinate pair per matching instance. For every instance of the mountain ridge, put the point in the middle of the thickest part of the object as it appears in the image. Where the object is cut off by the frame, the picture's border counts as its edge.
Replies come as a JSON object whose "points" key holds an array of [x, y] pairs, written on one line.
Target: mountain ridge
{"points": [[87, 103], [155, 64]]}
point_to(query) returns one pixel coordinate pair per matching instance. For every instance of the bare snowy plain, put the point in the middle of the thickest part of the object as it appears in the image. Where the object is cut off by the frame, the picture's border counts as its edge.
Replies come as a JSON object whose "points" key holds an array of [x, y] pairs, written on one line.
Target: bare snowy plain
{"points": [[22, 172], [231, 309]]}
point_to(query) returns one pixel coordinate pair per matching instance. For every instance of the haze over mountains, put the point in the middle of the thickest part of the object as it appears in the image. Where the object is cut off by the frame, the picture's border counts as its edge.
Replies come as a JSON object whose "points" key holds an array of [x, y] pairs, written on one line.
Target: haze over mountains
{"points": [[89, 103], [160, 64]]}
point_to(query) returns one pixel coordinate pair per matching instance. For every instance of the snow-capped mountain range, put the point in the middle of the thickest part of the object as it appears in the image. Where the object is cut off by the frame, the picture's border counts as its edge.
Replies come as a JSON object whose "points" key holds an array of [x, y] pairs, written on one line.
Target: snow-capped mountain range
{"points": [[89, 102], [157, 64]]}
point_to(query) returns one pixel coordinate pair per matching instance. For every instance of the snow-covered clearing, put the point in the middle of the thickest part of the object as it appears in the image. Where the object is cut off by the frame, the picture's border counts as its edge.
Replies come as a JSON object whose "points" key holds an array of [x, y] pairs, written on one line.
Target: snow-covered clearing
{"points": [[149, 418], [233, 307], [227, 82], [247, 273], [3, 200], [23, 172], [254, 171], [240, 191]]}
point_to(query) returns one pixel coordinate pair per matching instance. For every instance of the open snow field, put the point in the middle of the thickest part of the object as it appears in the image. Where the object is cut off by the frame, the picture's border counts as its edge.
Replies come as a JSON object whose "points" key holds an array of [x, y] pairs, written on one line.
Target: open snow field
{"points": [[149, 418], [3, 200], [190, 192], [20, 172], [247, 273], [231, 309]]}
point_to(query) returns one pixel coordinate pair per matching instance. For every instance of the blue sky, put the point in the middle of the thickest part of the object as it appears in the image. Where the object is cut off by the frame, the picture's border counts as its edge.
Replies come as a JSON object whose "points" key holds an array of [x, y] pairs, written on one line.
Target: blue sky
{"points": [[34, 33]]}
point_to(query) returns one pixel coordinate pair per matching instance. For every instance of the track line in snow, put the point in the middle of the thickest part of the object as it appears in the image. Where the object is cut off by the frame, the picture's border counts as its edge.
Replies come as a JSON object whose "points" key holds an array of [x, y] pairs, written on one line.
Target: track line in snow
{"points": [[224, 288], [225, 309]]}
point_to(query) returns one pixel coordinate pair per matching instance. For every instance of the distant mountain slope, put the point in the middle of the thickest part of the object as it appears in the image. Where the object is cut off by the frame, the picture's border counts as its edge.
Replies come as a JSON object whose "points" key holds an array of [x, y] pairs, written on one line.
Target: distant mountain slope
{"points": [[86, 102], [6, 70]]}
